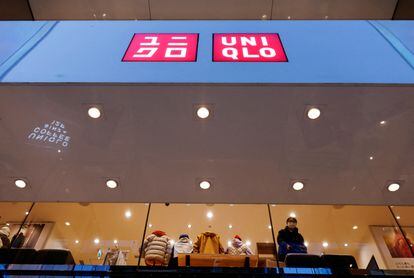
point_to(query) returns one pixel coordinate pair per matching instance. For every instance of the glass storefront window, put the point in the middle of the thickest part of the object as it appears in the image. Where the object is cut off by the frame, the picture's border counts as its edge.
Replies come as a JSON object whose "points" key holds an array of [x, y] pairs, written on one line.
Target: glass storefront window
{"points": [[340, 229], [250, 223], [95, 233], [12, 215], [112, 233]]}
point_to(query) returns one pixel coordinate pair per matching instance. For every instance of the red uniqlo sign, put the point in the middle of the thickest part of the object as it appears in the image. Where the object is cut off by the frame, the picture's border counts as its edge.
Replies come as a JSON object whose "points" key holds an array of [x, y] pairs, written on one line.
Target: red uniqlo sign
{"points": [[162, 48], [248, 48]]}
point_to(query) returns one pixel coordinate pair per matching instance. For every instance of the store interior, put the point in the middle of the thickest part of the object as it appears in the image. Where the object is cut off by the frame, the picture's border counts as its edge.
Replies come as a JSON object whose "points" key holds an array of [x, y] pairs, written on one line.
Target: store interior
{"points": [[92, 230]]}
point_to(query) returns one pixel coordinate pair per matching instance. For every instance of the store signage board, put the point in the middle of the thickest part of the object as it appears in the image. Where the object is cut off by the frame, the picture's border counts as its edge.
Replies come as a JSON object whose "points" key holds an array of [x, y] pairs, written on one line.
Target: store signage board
{"points": [[238, 47], [215, 52], [151, 47], [248, 48]]}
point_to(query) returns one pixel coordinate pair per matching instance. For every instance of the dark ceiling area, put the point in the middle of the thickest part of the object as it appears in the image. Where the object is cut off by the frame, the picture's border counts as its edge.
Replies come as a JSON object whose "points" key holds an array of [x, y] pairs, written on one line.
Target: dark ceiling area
{"points": [[205, 9]]}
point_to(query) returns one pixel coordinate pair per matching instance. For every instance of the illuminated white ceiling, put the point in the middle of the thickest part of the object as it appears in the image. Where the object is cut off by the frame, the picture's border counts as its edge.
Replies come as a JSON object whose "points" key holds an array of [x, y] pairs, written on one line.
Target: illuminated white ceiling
{"points": [[257, 141]]}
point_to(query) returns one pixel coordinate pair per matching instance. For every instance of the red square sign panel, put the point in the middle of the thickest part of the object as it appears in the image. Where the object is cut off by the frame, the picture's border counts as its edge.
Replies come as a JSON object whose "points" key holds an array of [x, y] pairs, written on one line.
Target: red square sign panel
{"points": [[248, 48], [152, 47]]}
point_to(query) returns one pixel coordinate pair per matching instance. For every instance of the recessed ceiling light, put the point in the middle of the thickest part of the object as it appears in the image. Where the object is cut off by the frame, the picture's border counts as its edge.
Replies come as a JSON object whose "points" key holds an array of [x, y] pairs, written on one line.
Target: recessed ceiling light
{"points": [[325, 244], [67, 223], [210, 215], [203, 112], [346, 244], [189, 226], [7, 224], [314, 113], [96, 240], [298, 186], [292, 214], [111, 184], [115, 241], [76, 241], [306, 244], [393, 187], [149, 225], [371, 158], [230, 226], [270, 227], [128, 214], [398, 217], [27, 213], [94, 112], [383, 122], [205, 185], [355, 227], [20, 183]]}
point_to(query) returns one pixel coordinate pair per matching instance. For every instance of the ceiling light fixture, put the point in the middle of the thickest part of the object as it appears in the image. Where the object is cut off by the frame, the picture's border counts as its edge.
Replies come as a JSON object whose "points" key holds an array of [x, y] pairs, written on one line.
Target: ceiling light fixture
{"points": [[112, 184], [297, 186], [94, 112], [292, 214], [205, 185], [20, 183], [314, 113], [203, 112], [210, 215], [325, 244], [393, 187], [128, 214], [67, 223]]}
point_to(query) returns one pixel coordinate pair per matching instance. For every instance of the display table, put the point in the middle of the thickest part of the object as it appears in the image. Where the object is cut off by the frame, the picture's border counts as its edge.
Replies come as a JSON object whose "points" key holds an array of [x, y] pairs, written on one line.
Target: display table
{"points": [[223, 260]]}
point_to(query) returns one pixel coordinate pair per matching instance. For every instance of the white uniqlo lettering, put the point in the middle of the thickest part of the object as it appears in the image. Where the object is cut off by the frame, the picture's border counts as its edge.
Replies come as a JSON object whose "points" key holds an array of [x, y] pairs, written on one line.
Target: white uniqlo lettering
{"points": [[177, 52], [267, 52], [147, 52], [225, 42], [246, 53], [245, 41], [153, 41], [230, 52], [264, 41]]}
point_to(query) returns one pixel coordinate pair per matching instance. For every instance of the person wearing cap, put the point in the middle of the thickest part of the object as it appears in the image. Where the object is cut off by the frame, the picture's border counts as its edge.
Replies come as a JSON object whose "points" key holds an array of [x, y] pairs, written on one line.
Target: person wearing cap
{"points": [[182, 246], [290, 240], [238, 248], [4, 236]]}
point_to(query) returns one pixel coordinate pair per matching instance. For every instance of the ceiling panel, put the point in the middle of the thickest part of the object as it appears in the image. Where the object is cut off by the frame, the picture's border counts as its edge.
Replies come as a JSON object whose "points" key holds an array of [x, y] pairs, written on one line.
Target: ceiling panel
{"points": [[404, 10], [210, 9], [256, 143], [15, 10], [89, 9], [333, 9]]}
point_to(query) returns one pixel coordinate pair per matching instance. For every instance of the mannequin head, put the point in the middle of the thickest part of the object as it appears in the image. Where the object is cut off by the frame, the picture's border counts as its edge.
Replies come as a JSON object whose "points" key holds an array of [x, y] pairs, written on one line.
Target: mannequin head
{"points": [[291, 223]]}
